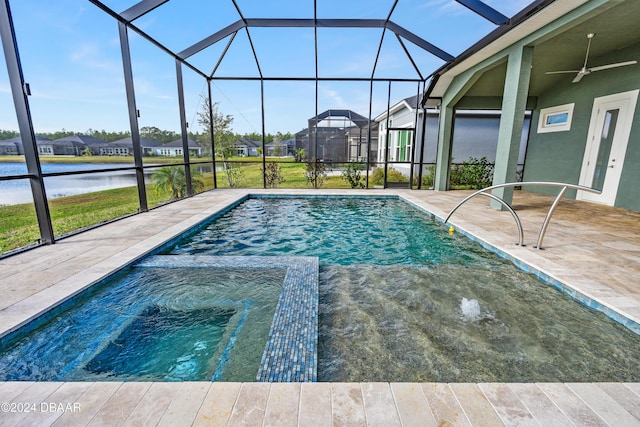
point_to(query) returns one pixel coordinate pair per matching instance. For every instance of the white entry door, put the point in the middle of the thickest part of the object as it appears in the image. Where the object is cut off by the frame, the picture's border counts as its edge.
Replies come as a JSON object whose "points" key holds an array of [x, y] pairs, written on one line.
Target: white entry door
{"points": [[607, 140]]}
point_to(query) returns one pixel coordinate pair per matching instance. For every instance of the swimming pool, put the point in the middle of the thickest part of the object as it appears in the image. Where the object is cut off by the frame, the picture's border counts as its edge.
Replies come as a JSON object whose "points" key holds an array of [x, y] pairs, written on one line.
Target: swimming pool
{"points": [[400, 299]]}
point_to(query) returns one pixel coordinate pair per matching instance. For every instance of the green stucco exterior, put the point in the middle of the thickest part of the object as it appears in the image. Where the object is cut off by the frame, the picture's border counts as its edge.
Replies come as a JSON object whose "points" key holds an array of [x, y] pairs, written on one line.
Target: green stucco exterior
{"points": [[558, 156]]}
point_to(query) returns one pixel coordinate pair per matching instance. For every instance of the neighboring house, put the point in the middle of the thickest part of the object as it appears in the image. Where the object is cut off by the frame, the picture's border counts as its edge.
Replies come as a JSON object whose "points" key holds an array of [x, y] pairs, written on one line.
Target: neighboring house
{"points": [[475, 135], [11, 147], [83, 142], [124, 147], [248, 148], [281, 148], [46, 147], [585, 125], [397, 132], [338, 136], [64, 147], [175, 148]]}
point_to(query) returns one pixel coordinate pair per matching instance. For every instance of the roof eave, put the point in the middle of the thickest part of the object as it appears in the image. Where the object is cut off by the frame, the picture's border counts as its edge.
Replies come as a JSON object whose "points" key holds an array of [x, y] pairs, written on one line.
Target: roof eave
{"points": [[545, 10]]}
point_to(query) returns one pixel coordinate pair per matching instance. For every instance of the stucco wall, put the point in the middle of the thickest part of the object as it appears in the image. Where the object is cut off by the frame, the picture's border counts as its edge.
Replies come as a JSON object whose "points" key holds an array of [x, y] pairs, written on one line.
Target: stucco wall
{"points": [[558, 156]]}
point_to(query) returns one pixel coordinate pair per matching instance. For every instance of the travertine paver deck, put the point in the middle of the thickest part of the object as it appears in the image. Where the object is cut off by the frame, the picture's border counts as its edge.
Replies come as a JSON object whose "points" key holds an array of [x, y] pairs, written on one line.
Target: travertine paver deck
{"points": [[592, 248]]}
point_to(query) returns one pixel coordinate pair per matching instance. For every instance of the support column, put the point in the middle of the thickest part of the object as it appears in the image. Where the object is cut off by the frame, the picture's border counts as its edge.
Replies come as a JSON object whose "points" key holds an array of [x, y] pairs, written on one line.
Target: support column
{"points": [[514, 102], [212, 134], [183, 128], [443, 156], [133, 115], [264, 142], [25, 124]]}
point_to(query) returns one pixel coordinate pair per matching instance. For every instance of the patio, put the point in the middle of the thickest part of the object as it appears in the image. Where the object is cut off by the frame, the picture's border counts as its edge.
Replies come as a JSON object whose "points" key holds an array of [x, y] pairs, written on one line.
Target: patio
{"points": [[590, 248]]}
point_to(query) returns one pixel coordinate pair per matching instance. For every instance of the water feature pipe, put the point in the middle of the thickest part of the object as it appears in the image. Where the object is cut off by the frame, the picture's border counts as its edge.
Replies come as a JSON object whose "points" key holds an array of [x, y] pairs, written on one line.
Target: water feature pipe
{"points": [[547, 219]]}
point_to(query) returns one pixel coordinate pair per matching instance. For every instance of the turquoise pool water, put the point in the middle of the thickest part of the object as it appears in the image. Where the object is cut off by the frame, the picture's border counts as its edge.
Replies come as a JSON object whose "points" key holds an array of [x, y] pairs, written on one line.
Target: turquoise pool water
{"points": [[400, 300], [155, 324], [340, 231], [403, 300]]}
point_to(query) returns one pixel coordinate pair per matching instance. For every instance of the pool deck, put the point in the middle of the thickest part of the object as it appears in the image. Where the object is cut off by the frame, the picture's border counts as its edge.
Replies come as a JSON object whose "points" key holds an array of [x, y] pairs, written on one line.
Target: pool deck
{"points": [[590, 248]]}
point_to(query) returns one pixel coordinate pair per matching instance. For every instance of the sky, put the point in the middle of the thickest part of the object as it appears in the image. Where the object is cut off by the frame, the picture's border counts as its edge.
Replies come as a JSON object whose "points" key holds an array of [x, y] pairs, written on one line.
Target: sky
{"points": [[71, 58]]}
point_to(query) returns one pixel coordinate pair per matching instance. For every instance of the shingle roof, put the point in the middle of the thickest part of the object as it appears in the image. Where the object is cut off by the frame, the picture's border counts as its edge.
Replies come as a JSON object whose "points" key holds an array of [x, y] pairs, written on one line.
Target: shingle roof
{"points": [[144, 142], [178, 143], [249, 143], [85, 139], [39, 139]]}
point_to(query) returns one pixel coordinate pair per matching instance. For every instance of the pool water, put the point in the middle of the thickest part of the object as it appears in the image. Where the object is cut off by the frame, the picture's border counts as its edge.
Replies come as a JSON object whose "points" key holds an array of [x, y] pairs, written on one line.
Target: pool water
{"points": [[400, 299], [403, 300], [186, 340], [344, 231], [463, 324], [155, 324]]}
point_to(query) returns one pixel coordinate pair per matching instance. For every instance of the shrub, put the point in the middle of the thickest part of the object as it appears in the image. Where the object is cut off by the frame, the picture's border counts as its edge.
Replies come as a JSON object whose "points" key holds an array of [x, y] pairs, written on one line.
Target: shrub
{"points": [[172, 179], [352, 173], [316, 173], [233, 172], [393, 175], [300, 154], [273, 175], [471, 174]]}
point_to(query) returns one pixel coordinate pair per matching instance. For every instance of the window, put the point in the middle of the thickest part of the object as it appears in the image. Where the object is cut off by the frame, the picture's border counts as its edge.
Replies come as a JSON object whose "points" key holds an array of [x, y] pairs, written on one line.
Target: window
{"points": [[555, 119]]}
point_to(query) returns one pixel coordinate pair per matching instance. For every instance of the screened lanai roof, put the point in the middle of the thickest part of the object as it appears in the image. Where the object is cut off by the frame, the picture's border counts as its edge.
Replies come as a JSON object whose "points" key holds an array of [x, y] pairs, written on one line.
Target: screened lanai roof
{"points": [[320, 39]]}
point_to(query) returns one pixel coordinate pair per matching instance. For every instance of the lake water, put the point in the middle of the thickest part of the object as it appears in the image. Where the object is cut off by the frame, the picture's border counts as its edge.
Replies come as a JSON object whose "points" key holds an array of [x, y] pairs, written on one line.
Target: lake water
{"points": [[19, 191]]}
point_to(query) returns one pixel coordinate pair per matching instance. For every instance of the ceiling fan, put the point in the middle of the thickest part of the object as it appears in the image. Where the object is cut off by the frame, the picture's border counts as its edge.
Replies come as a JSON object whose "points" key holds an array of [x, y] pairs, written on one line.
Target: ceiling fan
{"points": [[588, 70]]}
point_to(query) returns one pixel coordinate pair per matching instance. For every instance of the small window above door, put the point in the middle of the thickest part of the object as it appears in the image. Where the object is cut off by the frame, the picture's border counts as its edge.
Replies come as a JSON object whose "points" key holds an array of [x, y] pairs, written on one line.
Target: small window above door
{"points": [[555, 119]]}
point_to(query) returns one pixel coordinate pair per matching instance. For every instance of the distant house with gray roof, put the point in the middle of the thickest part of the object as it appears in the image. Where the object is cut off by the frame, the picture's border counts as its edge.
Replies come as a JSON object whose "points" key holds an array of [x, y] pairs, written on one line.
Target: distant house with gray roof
{"points": [[11, 147], [83, 142], [124, 147], [46, 147], [175, 148], [281, 148], [247, 147]]}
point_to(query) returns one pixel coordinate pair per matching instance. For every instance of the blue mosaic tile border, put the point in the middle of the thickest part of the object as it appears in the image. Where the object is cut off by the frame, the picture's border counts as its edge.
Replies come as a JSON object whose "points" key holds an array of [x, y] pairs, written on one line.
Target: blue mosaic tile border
{"points": [[324, 196], [290, 354], [571, 292]]}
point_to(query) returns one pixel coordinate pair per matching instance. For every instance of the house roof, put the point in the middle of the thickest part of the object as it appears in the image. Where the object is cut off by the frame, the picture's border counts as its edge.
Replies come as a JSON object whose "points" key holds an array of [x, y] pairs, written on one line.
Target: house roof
{"points": [[557, 30], [410, 103], [67, 143], [18, 139], [249, 143], [144, 142], [84, 139], [178, 143]]}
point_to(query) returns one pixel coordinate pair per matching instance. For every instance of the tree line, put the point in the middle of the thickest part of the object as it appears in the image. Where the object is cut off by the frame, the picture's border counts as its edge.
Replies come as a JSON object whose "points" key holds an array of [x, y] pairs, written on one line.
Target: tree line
{"points": [[150, 132]]}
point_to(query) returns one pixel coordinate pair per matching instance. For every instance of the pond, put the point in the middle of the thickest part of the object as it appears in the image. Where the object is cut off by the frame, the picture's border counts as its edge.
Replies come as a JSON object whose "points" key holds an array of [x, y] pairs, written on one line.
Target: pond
{"points": [[18, 191]]}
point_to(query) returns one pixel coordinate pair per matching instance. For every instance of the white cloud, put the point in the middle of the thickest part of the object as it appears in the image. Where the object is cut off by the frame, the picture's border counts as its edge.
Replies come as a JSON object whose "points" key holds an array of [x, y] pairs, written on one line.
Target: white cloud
{"points": [[333, 98], [444, 7], [90, 55]]}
